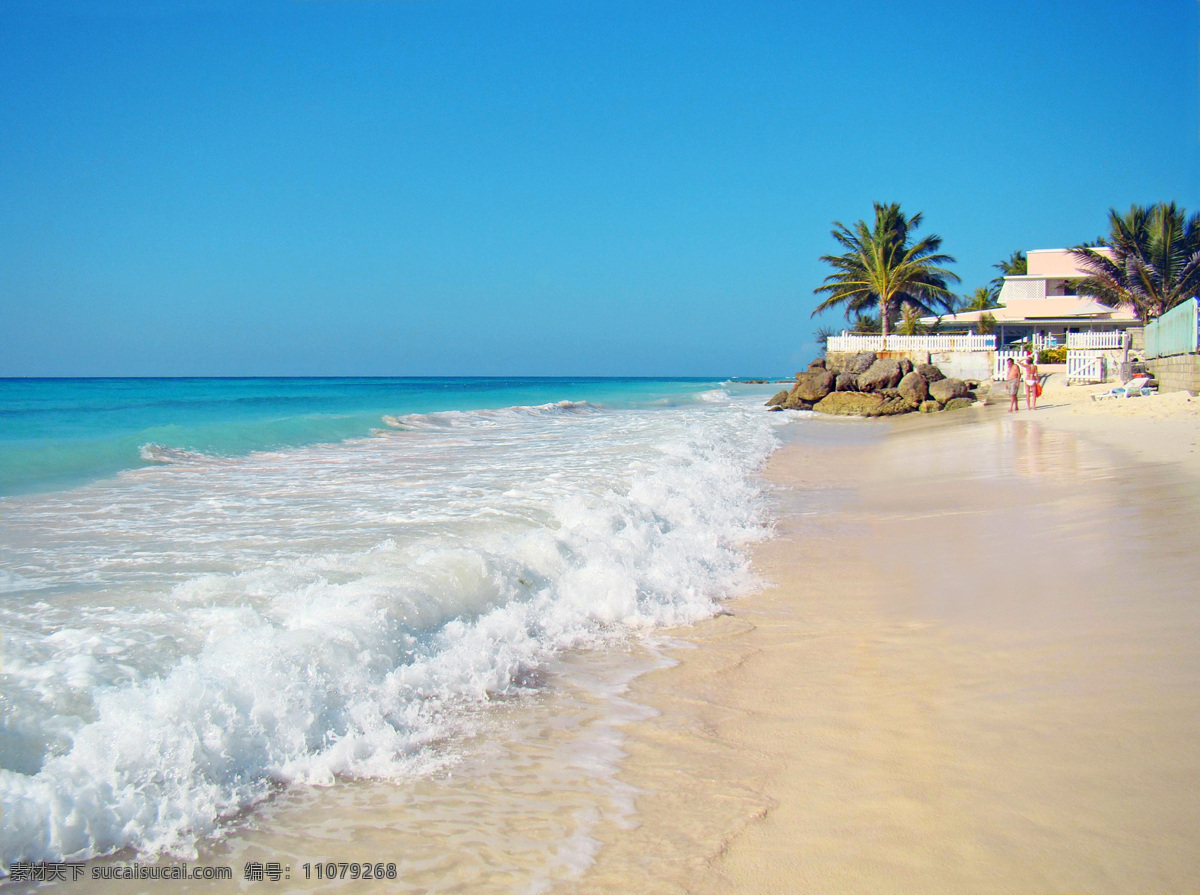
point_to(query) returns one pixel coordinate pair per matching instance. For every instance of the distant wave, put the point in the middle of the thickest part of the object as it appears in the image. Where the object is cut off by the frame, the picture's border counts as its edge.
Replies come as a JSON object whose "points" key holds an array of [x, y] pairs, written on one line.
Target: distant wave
{"points": [[715, 396], [452, 419]]}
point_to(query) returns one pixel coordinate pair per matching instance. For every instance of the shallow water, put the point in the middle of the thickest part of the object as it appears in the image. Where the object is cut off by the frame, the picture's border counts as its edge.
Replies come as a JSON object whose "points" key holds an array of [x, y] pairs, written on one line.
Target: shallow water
{"points": [[190, 647]]}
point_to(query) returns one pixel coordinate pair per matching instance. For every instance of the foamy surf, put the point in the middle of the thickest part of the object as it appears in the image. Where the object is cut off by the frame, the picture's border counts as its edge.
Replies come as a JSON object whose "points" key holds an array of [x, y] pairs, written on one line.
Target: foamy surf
{"points": [[207, 632]]}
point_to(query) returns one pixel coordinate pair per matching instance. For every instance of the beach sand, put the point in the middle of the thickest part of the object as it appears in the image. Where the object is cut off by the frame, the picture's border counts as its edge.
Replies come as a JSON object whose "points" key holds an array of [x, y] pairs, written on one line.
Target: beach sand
{"points": [[974, 669]]}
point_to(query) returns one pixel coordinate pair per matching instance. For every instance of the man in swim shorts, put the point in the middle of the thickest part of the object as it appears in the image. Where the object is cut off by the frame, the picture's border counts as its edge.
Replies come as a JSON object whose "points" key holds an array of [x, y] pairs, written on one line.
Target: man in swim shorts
{"points": [[1012, 378]]}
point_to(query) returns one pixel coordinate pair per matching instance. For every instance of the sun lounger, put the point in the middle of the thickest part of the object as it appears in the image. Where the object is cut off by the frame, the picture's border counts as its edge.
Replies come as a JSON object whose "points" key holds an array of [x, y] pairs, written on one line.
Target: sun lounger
{"points": [[1132, 388]]}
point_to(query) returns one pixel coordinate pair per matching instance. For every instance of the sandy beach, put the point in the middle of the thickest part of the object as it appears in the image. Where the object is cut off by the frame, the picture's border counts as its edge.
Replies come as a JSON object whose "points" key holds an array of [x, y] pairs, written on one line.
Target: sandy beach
{"points": [[972, 669]]}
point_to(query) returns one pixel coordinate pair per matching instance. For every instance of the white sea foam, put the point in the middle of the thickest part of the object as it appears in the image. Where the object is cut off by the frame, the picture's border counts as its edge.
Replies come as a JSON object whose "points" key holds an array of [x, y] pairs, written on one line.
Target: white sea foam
{"points": [[208, 631]]}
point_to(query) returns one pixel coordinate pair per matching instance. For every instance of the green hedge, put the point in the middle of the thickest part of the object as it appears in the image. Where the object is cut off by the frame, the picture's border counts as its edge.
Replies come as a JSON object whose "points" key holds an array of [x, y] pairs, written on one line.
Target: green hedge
{"points": [[1052, 355]]}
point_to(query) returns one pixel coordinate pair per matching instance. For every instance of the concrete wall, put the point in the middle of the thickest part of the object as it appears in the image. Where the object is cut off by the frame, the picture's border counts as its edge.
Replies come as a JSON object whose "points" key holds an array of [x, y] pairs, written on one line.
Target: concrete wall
{"points": [[1182, 371]]}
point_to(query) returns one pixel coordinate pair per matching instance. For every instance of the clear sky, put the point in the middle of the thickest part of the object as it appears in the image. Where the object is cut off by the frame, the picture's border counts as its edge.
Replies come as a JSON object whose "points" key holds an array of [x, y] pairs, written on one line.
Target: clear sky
{"points": [[541, 187]]}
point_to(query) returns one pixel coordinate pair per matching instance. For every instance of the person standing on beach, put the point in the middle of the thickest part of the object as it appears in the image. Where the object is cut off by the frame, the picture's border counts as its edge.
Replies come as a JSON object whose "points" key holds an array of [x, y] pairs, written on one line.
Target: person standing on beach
{"points": [[1012, 383], [1031, 384]]}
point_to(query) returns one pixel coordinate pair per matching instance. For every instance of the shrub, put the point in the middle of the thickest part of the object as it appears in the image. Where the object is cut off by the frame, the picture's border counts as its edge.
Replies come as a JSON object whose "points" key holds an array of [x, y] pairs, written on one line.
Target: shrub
{"points": [[1052, 355]]}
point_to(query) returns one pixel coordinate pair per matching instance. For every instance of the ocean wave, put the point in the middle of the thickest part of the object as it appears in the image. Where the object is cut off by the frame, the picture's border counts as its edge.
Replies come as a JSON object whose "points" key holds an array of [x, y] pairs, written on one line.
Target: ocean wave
{"points": [[159, 453], [451, 419], [302, 661]]}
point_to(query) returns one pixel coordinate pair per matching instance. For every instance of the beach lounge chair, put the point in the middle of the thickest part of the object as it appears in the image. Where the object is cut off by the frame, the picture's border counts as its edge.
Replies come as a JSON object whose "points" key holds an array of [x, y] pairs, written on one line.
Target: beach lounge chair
{"points": [[1133, 388]]}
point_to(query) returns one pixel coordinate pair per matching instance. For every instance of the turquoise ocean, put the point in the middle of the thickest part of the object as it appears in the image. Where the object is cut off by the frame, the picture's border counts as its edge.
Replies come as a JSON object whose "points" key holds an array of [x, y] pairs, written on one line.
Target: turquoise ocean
{"points": [[216, 590]]}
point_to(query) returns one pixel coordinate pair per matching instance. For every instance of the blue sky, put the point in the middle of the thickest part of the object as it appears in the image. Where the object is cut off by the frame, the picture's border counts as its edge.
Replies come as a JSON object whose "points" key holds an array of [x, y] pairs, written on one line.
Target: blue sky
{"points": [[541, 187]]}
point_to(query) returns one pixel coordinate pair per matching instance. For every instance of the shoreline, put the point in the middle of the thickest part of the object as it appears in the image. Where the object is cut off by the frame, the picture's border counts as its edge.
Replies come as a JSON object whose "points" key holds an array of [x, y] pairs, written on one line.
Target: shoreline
{"points": [[958, 678]]}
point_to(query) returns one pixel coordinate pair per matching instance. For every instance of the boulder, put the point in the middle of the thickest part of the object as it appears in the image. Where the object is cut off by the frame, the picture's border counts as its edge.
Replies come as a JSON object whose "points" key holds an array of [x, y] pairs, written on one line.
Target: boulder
{"points": [[777, 400], [947, 389], [914, 388], [849, 404], [880, 375], [893, 406], [958, 403], [774, 409], [930, 406], [930, 372], [814, 385], [846, 382], [794, 402], [906, 366], [818, 364], [860, 363]]}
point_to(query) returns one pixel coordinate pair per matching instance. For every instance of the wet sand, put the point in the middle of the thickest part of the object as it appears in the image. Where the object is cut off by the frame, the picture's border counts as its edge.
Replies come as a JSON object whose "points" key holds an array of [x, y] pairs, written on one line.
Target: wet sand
{"points": [[975, 670]]}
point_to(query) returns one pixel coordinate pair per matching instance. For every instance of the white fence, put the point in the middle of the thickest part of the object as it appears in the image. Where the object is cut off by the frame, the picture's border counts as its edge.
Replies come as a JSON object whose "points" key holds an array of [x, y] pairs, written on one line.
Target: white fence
{"points": [[850, 342], [1085, 367], [1000, 368], [1087, 341]]}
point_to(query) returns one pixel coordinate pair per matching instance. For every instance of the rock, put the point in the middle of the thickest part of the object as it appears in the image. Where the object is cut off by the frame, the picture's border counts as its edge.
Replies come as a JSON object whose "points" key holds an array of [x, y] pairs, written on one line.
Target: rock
{"points": [[774, 409], [846, 382], [849, 404], [931, 373], [814, 385], [777, 400], [818, 364], [860, 363], [947, 389], [930, 406], [880, 375], [795, 402], [958, 403], [906, 366], [914, 388], [894, 406]]}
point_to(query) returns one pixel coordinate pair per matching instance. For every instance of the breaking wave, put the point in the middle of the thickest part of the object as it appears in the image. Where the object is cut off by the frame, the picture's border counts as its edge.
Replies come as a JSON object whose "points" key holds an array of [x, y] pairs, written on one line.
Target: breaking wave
{"points": [[337, 611]]}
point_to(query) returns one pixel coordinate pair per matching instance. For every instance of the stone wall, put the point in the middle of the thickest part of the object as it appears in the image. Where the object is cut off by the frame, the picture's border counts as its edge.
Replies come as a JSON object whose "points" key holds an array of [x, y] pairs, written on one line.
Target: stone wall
{"points": [[1180, 371]]}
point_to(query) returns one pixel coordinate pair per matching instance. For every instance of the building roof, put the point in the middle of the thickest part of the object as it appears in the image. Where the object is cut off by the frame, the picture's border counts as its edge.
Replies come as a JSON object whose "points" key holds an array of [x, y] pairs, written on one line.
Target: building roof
{"points": [[1057, 308]]}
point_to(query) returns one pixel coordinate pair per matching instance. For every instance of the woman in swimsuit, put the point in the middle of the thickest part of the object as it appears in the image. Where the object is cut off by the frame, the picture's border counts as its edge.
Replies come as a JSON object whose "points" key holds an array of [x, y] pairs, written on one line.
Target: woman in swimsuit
{"points": [[1031, 381]]}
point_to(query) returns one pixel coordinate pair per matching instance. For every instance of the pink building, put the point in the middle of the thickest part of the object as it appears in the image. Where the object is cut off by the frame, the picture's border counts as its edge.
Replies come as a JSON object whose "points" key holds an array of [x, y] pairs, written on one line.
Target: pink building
{"points": [[1045, 303]]}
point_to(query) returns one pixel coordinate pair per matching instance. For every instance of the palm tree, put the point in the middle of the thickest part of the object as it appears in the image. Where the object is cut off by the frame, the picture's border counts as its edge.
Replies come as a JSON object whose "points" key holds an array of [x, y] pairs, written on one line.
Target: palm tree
{"points": [[882, 267], [1154, 263], [1015, 265], [981, 299]]}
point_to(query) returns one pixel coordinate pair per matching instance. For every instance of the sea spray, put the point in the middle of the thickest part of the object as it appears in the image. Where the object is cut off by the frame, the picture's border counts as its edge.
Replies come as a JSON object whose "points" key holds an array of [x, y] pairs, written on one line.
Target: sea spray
{"points": [[185, 638]]}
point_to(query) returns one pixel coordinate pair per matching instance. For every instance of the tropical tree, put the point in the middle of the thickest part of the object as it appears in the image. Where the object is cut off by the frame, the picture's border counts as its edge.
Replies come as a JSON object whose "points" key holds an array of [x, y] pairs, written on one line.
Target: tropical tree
{"points": [[1015, 265], [1154, 263], [910, 322], [884, 267], [981, 299]]}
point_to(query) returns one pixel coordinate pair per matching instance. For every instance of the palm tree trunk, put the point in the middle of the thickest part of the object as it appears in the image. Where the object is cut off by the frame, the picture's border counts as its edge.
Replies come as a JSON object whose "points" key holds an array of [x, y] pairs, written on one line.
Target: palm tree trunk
{"points": [[883, 319]]}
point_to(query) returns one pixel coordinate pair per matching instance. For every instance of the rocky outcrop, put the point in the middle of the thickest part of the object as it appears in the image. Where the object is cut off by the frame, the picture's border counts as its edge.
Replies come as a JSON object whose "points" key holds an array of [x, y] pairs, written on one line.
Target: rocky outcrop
{"points": [[777, 400], [880, 375], [867, 384], [930, 372], [814, 385], [914, 388], [947, 389]]}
